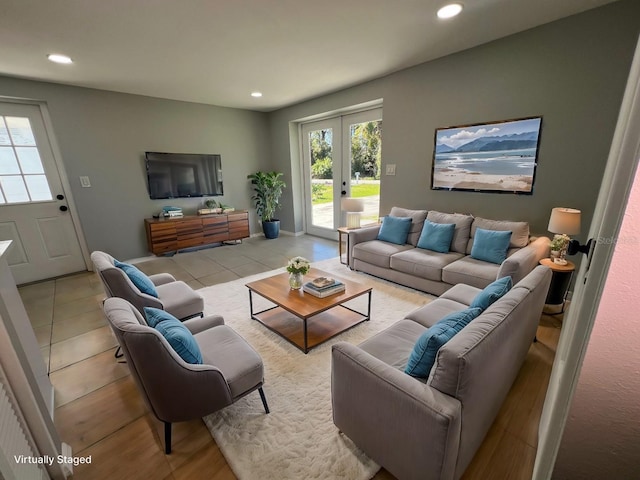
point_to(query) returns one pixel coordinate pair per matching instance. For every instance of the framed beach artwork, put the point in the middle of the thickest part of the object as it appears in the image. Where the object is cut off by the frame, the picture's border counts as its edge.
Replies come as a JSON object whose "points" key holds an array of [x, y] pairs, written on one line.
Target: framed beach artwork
{"points": [[499, 157]]}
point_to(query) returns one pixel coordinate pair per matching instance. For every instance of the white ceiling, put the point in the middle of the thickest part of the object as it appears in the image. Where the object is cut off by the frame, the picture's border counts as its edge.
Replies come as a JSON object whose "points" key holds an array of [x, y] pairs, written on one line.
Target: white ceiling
{"points": [[219, 51]]}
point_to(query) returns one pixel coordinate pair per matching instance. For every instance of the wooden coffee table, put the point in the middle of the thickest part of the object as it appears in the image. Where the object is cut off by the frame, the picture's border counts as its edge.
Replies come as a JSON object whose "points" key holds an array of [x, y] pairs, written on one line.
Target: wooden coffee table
{"points": [[302, 319]]}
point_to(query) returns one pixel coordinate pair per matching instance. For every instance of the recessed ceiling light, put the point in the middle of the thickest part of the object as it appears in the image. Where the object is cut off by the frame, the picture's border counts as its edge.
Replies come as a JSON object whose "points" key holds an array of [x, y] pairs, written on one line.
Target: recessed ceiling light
{"points": [[450, 10], [256, 94], [58, 58]]}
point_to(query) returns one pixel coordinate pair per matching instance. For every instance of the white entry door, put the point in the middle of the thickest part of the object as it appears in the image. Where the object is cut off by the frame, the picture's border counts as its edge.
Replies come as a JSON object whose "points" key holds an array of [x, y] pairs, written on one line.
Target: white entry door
{"points": [[341, 158], [34, 212]]}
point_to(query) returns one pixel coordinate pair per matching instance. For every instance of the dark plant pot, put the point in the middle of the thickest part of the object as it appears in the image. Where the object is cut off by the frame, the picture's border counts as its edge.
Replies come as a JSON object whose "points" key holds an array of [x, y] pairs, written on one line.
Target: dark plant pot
{"points": [[271, 229]]}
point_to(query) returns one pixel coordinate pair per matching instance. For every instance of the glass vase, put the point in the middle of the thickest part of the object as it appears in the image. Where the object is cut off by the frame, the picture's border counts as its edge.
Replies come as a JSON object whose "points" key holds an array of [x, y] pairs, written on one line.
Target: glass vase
{"points": [[295, 281]]}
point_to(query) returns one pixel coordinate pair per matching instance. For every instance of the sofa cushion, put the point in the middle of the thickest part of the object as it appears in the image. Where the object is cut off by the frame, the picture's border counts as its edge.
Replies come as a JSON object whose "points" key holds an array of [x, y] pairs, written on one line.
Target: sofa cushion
{"points": [[462, 230], [393, 344], [490, 245], [377, 252], [417, 220], [476, 273], [178, 336], [423, 355], [436, 236], [423, 263], [491, 293], [139, 279], [394, 229], [519, 231], [431, 313]]}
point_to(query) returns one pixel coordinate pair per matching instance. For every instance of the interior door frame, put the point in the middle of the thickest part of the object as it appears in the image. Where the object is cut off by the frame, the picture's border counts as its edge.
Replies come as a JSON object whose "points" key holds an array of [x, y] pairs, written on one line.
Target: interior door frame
{"points": [[613, 197], [57, 157]]}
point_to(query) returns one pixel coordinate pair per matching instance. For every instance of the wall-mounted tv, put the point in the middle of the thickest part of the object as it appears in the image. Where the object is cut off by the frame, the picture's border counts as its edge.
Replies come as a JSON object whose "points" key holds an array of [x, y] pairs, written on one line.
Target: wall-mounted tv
{"points": [[498, 157], [180, 175]]}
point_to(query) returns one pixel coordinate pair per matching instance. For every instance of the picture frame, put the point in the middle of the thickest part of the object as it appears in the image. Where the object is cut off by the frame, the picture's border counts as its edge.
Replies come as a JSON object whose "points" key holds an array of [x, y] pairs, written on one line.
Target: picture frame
{"points": [[493, 157]]}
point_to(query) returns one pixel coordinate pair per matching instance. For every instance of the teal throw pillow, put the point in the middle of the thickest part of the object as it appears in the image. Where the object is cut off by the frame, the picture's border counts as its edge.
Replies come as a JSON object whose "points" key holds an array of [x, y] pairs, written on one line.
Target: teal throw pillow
{"points": [[395, 229], [436, 236], [138, 278], [424, 352], [491, 293], [490, 245], [178, 336]]}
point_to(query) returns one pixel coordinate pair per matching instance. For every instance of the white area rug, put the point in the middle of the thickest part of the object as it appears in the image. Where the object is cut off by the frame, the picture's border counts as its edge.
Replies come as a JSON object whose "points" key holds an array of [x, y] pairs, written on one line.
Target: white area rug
{"points": [[298, 439]]}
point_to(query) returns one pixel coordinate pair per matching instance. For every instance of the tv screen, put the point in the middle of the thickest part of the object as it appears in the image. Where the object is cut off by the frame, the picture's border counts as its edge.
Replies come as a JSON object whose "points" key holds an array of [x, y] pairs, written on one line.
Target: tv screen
{"points": [[179, 175]]}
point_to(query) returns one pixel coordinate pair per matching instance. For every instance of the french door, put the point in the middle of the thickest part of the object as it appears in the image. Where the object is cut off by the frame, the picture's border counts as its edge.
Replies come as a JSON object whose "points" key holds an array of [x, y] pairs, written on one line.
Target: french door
{"points": [[34, 211], [341, 158]]}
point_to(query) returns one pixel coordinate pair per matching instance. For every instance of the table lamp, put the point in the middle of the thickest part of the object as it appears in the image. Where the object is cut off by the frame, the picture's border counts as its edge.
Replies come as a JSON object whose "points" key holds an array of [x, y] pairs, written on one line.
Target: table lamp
{"points": [[564, 222], [352, 207]]}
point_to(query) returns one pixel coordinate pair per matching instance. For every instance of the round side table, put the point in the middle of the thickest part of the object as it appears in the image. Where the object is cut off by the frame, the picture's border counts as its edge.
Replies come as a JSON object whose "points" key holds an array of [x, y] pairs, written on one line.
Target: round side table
{"points": [[560, 282]]}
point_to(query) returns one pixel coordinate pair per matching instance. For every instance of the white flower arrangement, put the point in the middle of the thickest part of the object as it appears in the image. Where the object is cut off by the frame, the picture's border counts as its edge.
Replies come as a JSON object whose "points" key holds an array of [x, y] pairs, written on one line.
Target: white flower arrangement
{"points": [[298, 265], [560, 242]]}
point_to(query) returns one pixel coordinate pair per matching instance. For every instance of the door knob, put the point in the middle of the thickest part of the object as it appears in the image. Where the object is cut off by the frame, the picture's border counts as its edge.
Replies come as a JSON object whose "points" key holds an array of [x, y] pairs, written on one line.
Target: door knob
{"points": [[60, 196], [63, 208], [343, 192]]}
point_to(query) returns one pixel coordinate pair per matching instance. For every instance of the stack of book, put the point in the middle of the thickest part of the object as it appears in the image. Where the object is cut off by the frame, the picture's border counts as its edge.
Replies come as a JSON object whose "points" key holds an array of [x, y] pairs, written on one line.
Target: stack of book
{"points": [[323, 287]]}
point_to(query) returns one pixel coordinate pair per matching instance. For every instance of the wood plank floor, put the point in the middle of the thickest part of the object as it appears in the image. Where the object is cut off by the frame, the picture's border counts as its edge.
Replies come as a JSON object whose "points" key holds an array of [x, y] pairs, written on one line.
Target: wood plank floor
{"points": [[99, 411]]}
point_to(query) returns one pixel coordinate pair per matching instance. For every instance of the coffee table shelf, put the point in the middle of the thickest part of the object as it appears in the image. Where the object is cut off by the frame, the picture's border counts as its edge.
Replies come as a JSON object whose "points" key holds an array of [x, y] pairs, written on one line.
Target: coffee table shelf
{"points": [[302, 319]]}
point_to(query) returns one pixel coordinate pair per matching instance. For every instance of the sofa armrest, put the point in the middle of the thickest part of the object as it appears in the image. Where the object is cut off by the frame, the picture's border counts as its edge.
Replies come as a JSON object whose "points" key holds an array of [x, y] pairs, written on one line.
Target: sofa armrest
{"points": [[408, 427], [197, 325], [359, 235], [161, 278], [525, 260]]}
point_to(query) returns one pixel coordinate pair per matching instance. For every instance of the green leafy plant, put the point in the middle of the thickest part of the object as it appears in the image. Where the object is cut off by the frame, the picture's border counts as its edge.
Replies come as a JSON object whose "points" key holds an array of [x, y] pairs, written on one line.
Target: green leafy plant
{"points": [[210, 203], [268, 187]]}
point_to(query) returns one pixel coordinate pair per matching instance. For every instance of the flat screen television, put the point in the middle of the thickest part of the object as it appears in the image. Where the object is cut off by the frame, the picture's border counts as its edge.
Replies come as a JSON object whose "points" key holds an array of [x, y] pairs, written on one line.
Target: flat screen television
{"points": [[183, 175]]}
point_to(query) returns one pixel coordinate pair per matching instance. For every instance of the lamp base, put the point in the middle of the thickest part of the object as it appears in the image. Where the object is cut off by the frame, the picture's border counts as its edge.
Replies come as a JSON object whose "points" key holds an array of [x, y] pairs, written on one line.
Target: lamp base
{"points": [[353, 219]]}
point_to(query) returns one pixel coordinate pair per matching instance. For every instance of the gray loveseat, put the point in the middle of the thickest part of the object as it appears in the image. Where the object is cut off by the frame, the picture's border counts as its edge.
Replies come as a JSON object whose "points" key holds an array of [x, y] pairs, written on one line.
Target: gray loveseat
{"points": [[436, 272], [431, 430]]}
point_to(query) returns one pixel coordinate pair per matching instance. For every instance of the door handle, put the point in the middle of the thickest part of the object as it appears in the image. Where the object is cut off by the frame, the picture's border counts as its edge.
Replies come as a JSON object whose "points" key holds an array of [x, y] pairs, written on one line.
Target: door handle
{"points": [[343, 192], [63, 208]]}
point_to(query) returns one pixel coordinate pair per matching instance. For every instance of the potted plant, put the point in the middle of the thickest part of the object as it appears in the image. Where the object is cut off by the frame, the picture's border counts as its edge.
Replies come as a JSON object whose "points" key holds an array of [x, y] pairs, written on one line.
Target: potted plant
{"points": [[268, 188]]}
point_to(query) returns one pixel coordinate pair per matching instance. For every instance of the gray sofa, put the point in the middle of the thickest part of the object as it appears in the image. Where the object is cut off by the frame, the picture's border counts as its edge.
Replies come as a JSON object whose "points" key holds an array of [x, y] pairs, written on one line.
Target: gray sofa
{"points": [[435, 272], [431, 429]]}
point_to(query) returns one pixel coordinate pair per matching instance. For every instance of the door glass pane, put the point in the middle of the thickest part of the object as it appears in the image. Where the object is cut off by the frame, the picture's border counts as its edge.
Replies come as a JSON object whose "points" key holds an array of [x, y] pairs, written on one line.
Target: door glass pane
{"points": [[14, 188], [38, 187], [4, 133], [366, 154], [320, 145], [8, 162], [20, 131], [29, 160], [23, 178]]}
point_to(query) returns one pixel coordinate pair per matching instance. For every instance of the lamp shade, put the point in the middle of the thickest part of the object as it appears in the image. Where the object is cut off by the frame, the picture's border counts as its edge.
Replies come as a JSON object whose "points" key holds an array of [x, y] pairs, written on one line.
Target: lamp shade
{"points": [[564, 220], [350, 204]]}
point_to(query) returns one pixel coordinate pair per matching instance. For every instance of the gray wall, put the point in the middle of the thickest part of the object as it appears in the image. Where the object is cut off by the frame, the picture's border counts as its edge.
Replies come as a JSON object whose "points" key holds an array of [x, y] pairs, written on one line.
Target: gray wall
{"points": [[104, 135], [572, 72]]}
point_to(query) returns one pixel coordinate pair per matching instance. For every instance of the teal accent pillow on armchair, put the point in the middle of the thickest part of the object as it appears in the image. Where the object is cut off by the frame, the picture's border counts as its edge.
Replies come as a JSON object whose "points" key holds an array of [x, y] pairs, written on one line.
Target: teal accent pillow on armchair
{"points": [[139, 279], [424, 352], [395, 229], [491, 293], [436, 236], [490, 245], [178, 336]]}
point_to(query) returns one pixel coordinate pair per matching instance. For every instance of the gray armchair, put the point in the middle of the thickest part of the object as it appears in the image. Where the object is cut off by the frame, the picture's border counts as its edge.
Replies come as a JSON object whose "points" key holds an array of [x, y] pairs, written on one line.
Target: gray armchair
{"points": [[176, 297], [173, 389]]}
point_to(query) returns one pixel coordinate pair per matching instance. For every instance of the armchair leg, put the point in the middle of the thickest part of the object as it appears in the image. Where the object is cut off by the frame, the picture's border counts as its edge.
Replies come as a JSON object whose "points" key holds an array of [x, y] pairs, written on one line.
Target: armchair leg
{"points": [[264, 400], [167, 437]]}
